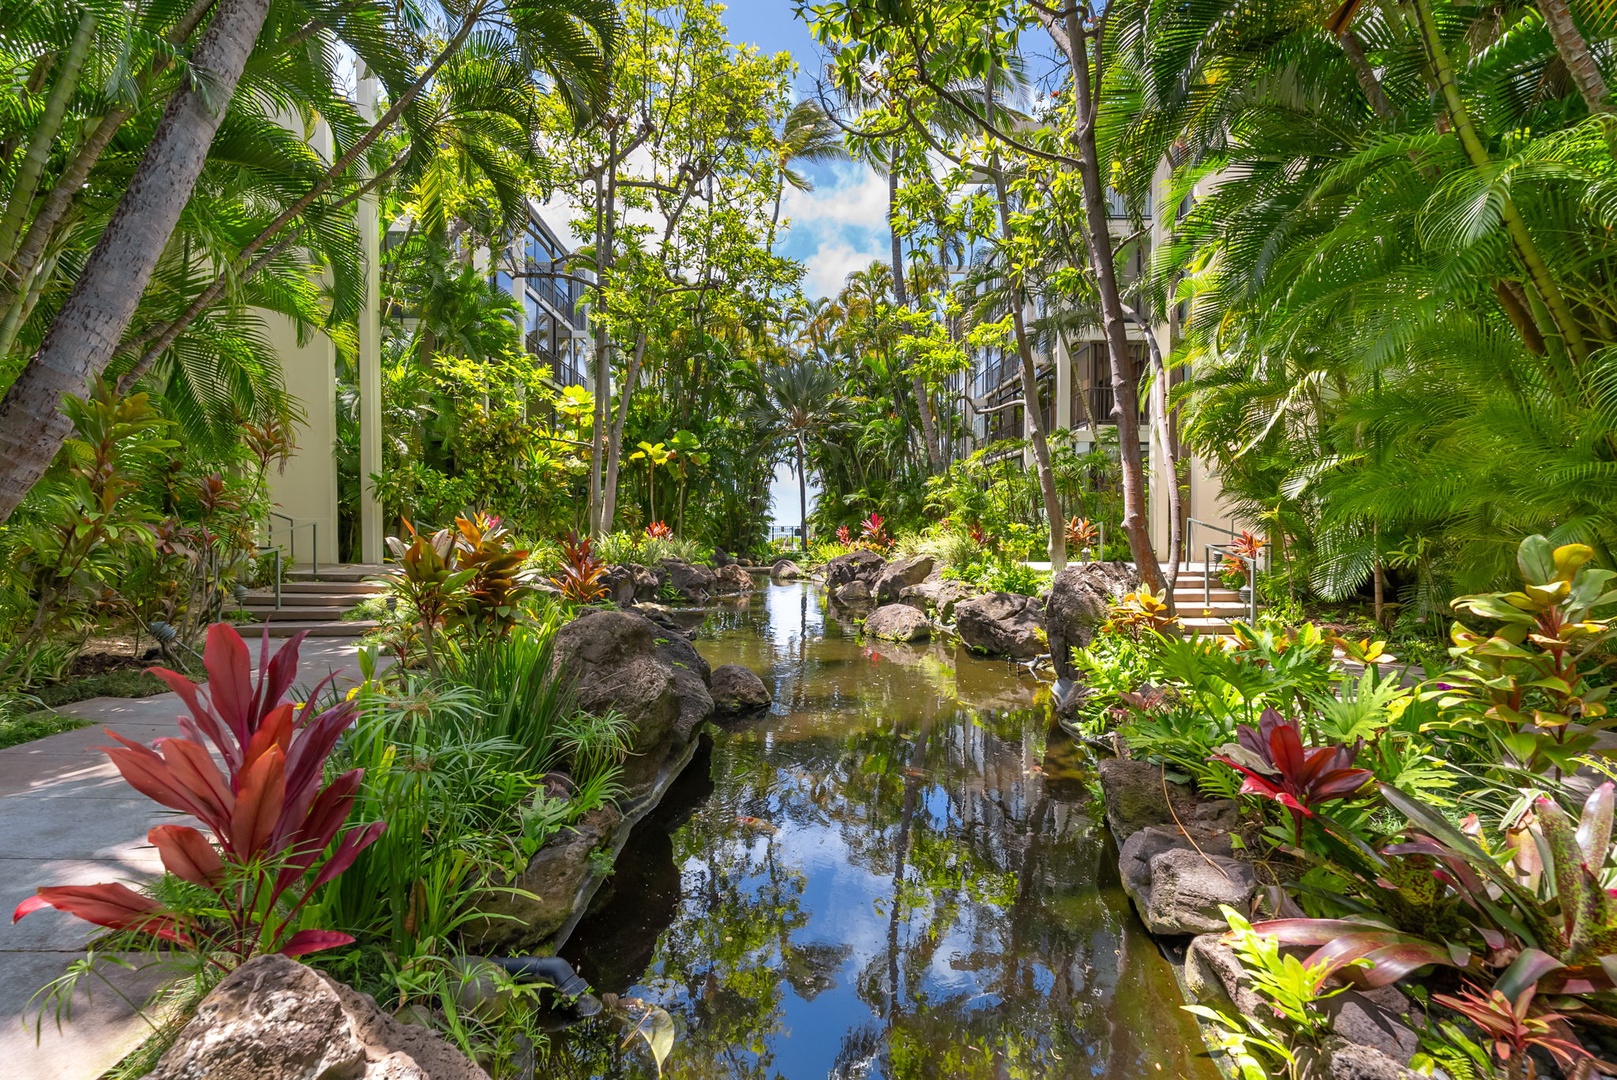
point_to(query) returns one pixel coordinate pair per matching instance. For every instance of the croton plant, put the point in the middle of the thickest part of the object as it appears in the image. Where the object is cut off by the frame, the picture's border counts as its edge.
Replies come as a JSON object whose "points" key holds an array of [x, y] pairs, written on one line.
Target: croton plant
{"points": [[276, 830]]}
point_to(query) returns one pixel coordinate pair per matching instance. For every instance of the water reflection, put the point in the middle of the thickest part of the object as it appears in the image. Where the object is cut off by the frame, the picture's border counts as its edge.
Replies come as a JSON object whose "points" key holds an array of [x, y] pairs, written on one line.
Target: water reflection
{"points": [[892, 875]]}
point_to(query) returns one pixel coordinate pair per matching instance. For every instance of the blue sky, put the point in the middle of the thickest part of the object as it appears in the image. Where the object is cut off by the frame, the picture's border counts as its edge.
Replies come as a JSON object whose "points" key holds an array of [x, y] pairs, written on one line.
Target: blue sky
{"points": [[841, 225]]}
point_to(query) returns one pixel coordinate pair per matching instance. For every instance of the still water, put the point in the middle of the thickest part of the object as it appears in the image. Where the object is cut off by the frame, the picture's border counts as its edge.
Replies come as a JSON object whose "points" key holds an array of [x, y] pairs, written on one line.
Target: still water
{"points": [[897, 873]]}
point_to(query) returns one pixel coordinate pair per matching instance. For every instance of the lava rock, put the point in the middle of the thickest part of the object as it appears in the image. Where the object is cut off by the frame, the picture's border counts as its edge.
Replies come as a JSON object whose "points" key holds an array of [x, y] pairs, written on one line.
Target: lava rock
{"points": [[1378, 1019], [732, 578], [1189, 887], [939, 595], [693, 583], [861, 565], [276, 1019], [619, 583], [648, 583], [1133, 792], [738, 690], [553, 881], [900, 575], [1001, 624], [785, 570], [898, 622], [854, 592], [1349, 1062], [1135, 856], [1077, 604], [1214, 976], [619, 661]]}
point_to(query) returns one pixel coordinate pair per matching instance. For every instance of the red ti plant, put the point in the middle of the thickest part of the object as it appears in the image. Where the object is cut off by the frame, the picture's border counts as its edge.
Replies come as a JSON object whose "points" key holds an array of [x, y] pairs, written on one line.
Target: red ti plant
{"points": [[1514, 1023], [272, 816], [1277, 766], [1082, 533], [581, 570], [658, 530], [873, 532], [844, 536]]}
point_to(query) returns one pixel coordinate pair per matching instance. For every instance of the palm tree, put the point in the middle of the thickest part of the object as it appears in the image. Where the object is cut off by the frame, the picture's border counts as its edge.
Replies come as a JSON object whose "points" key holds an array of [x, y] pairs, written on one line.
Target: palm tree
{"points": [[801, 401], [808, 134], [94, 321]]}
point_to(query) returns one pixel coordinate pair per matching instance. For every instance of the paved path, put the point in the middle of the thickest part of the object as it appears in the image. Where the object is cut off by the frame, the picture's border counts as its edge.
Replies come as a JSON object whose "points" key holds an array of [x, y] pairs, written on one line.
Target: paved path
{"points": [[67, 818]]}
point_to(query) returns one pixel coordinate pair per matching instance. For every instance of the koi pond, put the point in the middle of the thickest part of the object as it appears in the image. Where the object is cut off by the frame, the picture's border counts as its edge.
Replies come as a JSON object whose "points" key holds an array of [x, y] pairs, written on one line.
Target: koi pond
{"points": [[897, 872]]}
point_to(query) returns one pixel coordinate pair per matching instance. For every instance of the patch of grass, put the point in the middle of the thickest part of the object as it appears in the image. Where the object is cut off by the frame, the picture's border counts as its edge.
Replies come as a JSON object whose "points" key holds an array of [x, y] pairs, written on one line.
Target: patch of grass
{"points": [[120, 682], [16, 730]]}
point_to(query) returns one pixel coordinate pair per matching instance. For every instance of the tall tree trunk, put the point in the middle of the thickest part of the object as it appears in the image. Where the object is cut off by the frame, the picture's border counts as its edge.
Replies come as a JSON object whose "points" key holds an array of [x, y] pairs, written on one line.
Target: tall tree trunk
{"points": [[1030, 393], [605, 238], [1368, 81], [1098, 238], [1575, 54], [614, 442], [86, 331], [901, 296], [802, 494]]}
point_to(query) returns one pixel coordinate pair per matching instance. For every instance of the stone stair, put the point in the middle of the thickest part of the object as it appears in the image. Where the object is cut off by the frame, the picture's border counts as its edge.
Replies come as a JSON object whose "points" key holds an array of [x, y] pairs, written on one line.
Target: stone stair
{"points": [[316, 602], [1210, 611]]}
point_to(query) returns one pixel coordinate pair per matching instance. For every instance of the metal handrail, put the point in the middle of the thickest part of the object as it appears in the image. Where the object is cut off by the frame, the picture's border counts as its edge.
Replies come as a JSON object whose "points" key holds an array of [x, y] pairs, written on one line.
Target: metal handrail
{"points": [[1251, 577], [292, 533]]}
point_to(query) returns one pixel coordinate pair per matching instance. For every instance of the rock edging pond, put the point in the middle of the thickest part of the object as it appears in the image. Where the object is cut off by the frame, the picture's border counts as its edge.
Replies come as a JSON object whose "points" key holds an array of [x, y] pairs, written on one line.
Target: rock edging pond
{"points": [[1179, 865]]}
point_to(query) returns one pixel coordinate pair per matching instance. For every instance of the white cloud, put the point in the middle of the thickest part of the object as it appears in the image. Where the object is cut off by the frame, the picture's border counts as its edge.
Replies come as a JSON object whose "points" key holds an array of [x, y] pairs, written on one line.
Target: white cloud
{"points": [[827, 267], [839, 227]]}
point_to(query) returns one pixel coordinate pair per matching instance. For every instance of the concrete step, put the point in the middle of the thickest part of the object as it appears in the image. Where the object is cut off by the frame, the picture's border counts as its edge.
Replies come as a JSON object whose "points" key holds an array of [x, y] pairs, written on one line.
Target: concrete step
{"points": [[308, 599], [1206, 626], [330, 588], [1185, 594], [299, 613], [328, 629], [356, 573]]}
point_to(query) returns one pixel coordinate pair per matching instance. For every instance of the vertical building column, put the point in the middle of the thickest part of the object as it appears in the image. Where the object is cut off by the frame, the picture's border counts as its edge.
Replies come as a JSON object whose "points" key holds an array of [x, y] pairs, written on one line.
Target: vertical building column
{"points": [[1063, 384], [370, 355]]}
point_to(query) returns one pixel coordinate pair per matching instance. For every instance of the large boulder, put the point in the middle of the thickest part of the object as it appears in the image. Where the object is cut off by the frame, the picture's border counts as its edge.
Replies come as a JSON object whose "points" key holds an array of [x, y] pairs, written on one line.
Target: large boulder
{"points": [[861, 565], [619, 583], [738, 690], [732, 578], [648, 583], [693, 583], [552, 887], [1079, 597], [941, 595], [1188, 888], [856, 591], [900, 575], [1001, 624], [898, 622], [276, 1019], [785, 570], [619, 661], [1137, 795]]}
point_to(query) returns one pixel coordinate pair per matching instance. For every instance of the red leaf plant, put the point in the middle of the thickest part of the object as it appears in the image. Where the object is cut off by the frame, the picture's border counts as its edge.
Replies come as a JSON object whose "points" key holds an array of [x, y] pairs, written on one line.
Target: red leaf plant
{"points": [[658, 530], [844, 536], [272, 817], [1277, 766]]}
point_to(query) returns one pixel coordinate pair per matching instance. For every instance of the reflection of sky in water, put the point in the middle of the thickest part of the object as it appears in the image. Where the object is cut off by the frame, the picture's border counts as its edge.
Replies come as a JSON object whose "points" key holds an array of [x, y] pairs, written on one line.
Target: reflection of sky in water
{"points": [[793, 617], [1045, 971]]}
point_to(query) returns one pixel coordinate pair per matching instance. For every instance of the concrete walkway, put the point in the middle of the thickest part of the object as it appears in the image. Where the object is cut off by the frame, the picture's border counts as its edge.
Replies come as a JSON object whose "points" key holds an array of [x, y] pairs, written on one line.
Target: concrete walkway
{"points": [[67, 818]]}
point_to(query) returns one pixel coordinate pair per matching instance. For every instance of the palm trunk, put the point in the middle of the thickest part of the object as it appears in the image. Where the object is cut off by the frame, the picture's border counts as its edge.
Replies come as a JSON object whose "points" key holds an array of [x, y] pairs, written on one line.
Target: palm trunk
{"points": [[1125, 380], [605, 238], [86, 331], [1575, 54], [1544, 283], [50, 125]]}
